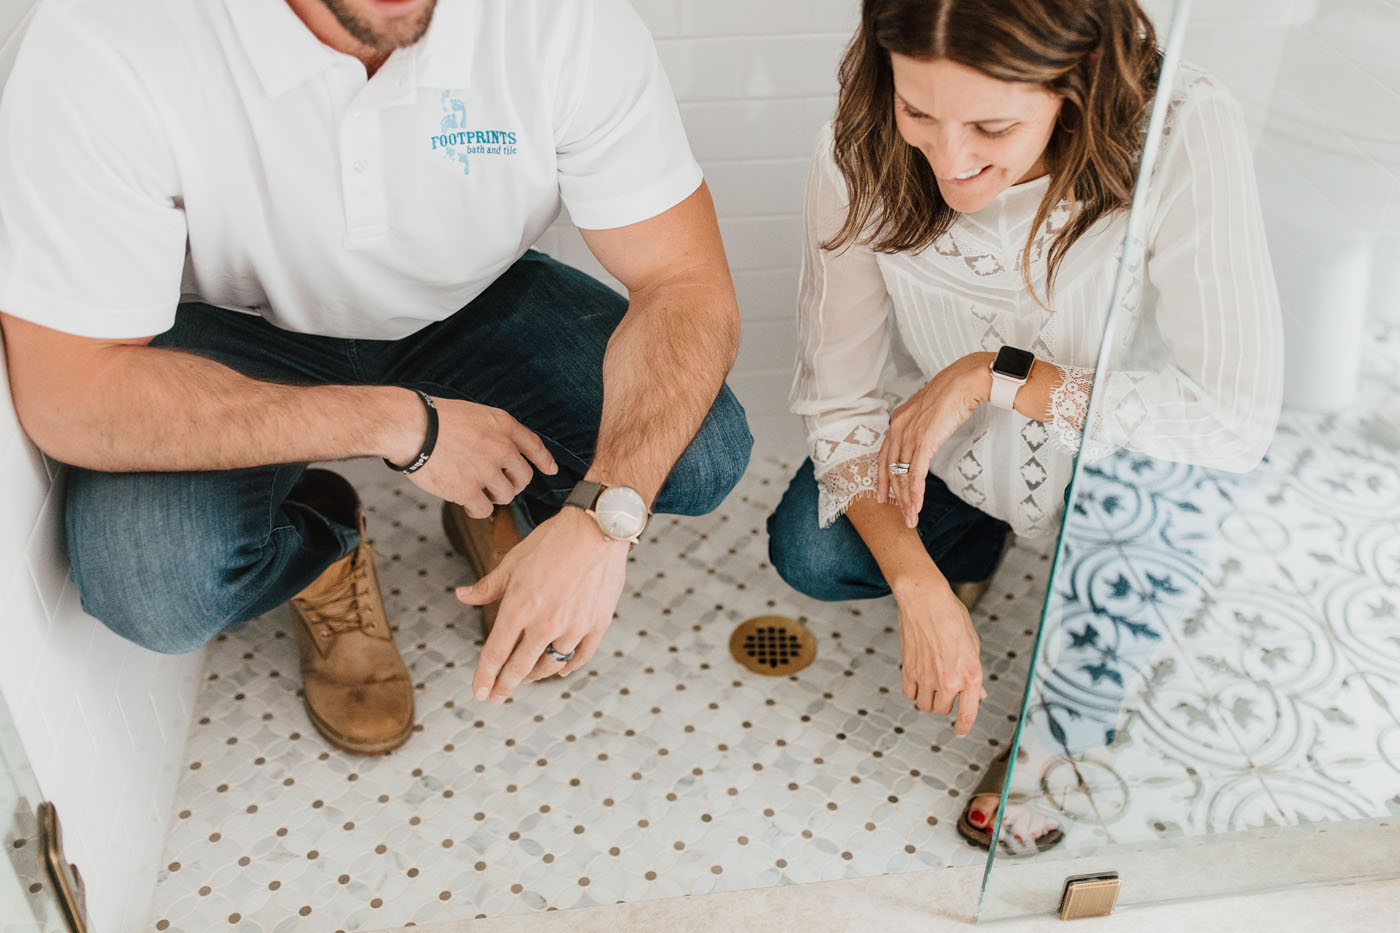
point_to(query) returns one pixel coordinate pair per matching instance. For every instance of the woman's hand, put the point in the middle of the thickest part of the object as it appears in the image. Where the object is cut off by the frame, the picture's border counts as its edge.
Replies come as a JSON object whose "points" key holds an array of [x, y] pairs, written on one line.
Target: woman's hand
{"points": [[922, 424], [940, 651]]}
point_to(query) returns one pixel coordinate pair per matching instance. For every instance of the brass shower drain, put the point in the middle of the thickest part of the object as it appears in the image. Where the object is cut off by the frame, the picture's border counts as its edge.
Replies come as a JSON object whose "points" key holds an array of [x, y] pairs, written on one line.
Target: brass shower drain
{"points": [[773, 645]]}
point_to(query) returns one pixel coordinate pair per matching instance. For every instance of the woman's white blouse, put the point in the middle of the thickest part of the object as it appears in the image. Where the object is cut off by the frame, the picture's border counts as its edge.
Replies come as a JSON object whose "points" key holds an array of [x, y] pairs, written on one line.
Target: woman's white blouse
{"points": [[1207, 303]]}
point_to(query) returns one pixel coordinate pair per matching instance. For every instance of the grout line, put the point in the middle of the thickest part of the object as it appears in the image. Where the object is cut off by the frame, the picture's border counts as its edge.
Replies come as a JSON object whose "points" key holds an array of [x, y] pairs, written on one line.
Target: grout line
{"points": [[750, 38], [759, 99]]}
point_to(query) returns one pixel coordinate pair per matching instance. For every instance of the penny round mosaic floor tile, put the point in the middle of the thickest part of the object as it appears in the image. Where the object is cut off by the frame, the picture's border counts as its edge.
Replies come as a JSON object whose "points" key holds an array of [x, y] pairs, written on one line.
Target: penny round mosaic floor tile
{"points": [[664, 768]]}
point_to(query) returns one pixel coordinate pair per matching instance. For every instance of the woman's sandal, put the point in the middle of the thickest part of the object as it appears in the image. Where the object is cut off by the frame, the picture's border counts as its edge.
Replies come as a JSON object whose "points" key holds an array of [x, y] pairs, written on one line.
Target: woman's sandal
{"points": [[991, 783]]}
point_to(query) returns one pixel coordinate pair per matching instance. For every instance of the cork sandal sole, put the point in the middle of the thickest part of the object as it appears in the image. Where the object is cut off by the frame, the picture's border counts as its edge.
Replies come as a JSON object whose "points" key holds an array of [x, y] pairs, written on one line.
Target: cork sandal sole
{"points": [[991, 784]]}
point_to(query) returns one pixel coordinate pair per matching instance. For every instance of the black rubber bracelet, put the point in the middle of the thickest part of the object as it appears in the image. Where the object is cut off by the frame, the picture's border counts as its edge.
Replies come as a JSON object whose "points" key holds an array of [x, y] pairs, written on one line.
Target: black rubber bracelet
{"points": [[429, 439]]}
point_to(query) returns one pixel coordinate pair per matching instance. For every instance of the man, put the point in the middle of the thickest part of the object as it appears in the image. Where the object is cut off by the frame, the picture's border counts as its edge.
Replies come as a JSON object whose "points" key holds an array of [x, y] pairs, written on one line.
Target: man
{"points": [[240, 235]]}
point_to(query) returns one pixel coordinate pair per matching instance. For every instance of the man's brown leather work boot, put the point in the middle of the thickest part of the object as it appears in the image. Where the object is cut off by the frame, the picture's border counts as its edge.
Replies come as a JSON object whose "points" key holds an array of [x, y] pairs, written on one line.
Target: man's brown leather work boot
{"points": [[357, 689], [484, 542]]}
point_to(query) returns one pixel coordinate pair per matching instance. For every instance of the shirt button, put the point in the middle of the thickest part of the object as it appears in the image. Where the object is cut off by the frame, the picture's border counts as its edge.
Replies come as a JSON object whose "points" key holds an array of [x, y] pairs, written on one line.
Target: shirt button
{"points": [[360, 165]]}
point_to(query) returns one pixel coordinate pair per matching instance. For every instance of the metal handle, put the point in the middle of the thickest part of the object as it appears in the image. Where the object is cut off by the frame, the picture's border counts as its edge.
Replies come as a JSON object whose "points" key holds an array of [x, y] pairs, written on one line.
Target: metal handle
{"points": [[67, 882]]}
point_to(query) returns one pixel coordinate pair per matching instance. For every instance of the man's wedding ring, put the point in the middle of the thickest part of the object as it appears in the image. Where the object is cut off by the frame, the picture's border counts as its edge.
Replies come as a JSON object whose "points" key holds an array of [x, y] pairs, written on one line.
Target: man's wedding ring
{"points": [[899, 469], [556, 655]]}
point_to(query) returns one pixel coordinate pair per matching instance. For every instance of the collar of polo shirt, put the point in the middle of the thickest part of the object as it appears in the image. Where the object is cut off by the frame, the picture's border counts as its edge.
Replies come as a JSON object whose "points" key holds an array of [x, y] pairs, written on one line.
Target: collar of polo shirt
{"points": [[285, 53]]}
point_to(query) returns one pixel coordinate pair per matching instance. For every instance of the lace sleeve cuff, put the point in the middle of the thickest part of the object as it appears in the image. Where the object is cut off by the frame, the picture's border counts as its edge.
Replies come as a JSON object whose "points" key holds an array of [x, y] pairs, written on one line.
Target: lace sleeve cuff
{"points": [[843, 483], [1069, 406]]}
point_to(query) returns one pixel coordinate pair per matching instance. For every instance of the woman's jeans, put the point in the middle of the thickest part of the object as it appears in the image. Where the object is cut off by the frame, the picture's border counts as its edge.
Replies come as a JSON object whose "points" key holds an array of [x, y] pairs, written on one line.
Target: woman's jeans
{"points": [[833, 563], [169, 560]]}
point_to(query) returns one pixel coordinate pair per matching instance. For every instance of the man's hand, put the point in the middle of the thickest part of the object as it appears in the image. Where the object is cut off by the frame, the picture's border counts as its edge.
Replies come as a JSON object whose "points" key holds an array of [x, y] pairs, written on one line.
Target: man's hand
{"points": [[480, 458], [559, 586], [940, 652], [663, 368]]}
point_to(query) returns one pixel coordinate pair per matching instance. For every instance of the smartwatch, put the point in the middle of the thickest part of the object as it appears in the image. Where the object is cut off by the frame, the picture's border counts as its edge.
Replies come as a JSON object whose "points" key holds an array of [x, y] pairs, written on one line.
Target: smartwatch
{"points": [[620, 511], [1010, 370]]}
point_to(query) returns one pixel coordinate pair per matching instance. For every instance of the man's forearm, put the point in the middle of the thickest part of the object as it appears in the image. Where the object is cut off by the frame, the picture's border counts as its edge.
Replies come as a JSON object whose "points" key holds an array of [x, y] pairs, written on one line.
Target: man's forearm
{"points": [[141, 408], [663, 368]]}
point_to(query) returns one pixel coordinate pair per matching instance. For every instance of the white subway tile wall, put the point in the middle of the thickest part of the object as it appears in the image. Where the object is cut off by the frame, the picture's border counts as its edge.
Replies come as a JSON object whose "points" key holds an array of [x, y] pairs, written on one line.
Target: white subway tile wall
{"points": [[103, 722], [755, 82]]}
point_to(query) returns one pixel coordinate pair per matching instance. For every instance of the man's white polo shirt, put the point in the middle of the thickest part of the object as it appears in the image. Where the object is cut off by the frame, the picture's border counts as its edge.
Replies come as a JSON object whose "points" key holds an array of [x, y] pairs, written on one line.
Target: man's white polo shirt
{"points": [[154, 149]]}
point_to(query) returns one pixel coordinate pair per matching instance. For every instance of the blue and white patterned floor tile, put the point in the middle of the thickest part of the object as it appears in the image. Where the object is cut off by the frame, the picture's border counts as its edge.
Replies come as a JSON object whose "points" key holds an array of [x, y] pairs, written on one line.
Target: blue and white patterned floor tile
{"points": [[1322, 793], [1226, 647], [1104, 809]]}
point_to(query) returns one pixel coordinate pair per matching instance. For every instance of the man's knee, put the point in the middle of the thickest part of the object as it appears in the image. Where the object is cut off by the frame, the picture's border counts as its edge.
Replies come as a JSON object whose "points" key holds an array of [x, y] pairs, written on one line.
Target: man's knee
{"points": [[161, 582], [154, 633], [714, 462], [155, 620], [160, 605]]}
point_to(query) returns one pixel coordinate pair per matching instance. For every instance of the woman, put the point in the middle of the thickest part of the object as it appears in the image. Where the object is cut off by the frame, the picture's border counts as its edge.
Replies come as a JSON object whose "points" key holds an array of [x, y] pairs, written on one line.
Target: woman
{"points": [[971, 199]]}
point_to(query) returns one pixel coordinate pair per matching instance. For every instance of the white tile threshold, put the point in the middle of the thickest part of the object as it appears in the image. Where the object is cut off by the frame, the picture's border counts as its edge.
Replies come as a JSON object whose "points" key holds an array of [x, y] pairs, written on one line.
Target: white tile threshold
{"points": [[939, 900]]}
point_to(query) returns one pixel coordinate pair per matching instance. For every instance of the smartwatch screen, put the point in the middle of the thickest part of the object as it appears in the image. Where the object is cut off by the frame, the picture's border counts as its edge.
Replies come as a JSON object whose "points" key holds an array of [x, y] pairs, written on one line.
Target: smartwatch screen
{"points": [[1014, 362]]}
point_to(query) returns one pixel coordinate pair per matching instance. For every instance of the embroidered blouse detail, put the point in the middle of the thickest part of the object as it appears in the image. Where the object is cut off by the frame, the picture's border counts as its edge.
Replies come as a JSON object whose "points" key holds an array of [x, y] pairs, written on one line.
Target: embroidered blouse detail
{"points": [[846, 482]]}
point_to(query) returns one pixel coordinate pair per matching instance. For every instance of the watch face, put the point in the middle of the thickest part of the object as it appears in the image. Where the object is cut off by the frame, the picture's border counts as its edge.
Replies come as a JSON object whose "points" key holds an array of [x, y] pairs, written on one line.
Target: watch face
{"points": [[1013, 362], [621, 512]]}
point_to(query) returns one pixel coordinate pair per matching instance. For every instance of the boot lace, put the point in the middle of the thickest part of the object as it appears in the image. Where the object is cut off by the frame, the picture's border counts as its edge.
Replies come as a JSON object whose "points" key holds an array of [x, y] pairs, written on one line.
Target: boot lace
{"points": [[343, 607]]}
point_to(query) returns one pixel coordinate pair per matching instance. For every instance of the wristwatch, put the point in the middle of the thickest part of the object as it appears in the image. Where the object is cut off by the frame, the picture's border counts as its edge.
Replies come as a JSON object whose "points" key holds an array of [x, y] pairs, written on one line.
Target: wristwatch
{"points": [[1010, 370], [620, 511]]}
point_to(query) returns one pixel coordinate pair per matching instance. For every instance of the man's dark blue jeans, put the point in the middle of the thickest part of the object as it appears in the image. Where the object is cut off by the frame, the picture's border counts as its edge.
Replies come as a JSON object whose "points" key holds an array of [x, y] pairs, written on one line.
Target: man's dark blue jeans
{"points": [[169, 560]]}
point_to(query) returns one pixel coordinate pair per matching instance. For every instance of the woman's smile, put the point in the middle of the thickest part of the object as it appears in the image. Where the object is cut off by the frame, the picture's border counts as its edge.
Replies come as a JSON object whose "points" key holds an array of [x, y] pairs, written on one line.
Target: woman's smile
{"points": [[980, 135]]}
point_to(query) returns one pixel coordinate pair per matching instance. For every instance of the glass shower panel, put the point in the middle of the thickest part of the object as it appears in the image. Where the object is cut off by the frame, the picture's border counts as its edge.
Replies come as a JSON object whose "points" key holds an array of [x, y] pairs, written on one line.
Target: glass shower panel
{"points": [[1212, 707]]}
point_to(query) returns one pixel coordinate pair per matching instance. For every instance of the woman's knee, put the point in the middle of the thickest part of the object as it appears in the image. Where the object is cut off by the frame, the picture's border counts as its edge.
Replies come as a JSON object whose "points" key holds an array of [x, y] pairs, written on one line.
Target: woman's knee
{"points": [[799, 563], [829, 564]]}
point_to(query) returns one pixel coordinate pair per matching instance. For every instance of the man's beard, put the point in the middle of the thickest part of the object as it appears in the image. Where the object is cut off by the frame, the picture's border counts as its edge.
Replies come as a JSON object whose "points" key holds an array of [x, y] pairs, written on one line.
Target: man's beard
{"points": [[398, 34]]}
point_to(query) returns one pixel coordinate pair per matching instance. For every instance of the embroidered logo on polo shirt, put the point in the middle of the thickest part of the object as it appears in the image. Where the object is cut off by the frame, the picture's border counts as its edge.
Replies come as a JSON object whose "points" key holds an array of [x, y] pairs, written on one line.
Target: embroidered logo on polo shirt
{"points": [[458, 143]]}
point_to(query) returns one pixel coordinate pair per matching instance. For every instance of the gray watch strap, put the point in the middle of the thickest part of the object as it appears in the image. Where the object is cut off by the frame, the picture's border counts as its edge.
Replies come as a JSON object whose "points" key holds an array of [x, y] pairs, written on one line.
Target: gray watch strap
{"points": [[585, 494]]}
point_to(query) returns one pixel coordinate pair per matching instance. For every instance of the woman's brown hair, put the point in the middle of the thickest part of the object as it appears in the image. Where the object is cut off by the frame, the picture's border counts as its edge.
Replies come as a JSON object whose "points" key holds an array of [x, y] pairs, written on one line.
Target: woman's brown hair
{"points": [[1100, 56]]}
